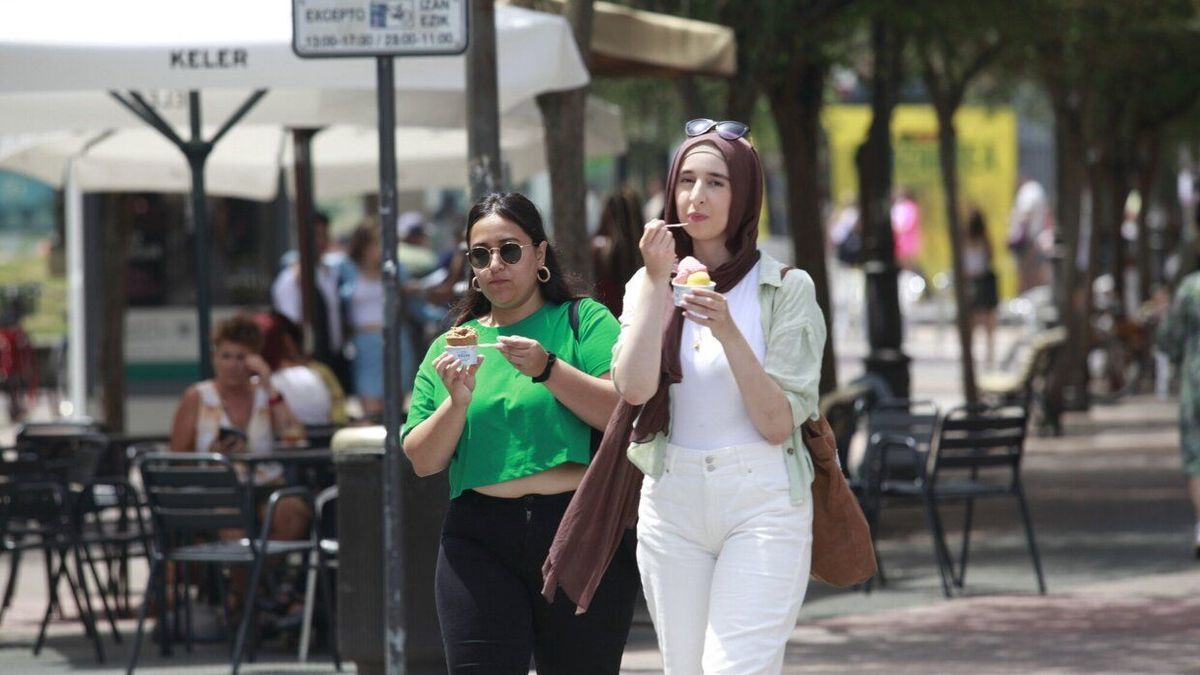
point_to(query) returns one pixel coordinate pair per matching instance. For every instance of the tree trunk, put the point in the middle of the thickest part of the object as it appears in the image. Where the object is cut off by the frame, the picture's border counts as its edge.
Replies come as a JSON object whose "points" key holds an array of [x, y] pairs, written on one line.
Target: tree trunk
{"points": [[1070, 173], [689, 96], [796, 107], [948, 159], [563, 116], [115, 237], [885, 329]]}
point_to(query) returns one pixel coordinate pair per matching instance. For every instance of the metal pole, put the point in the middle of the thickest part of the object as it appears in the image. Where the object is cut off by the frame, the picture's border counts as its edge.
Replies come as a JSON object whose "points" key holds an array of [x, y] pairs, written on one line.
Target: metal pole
{"points": [[393, 535], [483, 117], [310, 258], [197, 154], [76, 298]]}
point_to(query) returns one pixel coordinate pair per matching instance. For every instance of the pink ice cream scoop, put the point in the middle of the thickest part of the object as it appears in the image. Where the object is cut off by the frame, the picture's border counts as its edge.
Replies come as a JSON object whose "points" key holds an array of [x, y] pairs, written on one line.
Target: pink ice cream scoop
{"points": [[686, 267]]}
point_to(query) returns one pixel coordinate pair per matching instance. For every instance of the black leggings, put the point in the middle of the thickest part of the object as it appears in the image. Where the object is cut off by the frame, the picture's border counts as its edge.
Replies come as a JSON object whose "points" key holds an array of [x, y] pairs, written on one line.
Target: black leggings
{"points": [[489, 593]]}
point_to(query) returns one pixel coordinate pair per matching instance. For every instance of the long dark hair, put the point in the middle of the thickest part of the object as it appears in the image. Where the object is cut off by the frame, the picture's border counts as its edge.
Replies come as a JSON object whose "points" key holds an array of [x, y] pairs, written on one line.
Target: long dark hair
{"points": [[621, 224], [515, 208]]}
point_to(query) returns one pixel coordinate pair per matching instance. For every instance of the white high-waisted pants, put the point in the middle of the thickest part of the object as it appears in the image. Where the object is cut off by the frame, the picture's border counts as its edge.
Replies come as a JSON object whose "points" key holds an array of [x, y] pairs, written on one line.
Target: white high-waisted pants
{"points": [[724, 558]]}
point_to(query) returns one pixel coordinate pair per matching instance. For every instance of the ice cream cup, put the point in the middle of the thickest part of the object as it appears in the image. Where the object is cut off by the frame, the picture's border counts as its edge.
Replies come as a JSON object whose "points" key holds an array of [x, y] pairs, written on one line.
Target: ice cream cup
{"points": [[466, 354], [683, 289]]}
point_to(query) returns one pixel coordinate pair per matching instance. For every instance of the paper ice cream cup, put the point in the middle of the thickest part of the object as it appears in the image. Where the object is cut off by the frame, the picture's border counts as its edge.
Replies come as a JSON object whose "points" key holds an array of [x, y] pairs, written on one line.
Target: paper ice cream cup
{"points": [[467, 354], [683, 289]]}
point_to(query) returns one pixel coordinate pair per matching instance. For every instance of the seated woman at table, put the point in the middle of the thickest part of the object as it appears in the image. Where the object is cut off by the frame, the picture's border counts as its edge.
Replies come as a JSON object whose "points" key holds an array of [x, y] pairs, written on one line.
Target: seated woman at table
{"points": [[310, 388], [239, 410]]}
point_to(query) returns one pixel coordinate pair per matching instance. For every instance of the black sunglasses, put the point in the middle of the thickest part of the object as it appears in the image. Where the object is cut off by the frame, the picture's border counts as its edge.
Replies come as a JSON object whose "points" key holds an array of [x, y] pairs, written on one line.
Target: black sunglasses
{"points": [[510, 252], [728, 129]]}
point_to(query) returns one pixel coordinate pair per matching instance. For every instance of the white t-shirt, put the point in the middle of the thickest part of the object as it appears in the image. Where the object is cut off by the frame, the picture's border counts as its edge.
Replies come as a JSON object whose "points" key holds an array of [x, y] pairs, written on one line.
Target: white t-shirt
{"points": [[366, 303], [305, 393], [707, 410]]}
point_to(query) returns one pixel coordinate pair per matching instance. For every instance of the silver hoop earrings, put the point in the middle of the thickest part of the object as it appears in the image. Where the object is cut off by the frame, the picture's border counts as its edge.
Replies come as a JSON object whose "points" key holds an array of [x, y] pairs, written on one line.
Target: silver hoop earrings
{"points": [[545, 269]]}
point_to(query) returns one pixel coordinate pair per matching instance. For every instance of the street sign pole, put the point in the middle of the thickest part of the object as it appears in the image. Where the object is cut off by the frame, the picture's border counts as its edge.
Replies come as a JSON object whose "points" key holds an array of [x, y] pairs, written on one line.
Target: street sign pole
{"points": [[385, 29], [392, 309]]}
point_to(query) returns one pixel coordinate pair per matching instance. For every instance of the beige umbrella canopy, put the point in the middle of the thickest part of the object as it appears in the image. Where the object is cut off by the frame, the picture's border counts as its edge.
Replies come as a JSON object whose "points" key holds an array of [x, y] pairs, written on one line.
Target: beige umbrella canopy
{"points": [[247, 163], [634, 42]]}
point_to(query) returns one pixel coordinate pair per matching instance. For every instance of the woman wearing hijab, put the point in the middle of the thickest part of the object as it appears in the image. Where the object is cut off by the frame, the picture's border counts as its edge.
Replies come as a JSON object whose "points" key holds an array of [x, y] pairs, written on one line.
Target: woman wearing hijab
{"points": [[714, 393]]}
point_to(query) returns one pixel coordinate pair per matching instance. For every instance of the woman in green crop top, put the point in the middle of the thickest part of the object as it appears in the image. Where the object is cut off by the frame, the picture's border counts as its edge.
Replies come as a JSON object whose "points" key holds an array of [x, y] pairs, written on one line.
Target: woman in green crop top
{"points": [[514, 430]]}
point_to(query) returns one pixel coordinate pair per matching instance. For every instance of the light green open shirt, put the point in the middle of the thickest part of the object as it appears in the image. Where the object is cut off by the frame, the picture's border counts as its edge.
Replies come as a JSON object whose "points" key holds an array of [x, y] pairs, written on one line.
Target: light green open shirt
{"points": [[795, 330]]}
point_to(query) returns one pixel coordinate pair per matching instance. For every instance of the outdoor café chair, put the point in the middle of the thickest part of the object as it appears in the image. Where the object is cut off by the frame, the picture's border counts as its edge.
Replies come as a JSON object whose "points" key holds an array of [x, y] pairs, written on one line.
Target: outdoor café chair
{"points": [[322, 561], [34, 516], [893, 417], [976, 454], [107, 516], [193, 496]]}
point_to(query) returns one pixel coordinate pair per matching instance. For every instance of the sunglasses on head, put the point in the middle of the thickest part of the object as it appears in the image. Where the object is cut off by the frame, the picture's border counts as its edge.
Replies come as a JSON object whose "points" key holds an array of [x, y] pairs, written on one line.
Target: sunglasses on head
{"points": [[510, 252], [727, 129]]}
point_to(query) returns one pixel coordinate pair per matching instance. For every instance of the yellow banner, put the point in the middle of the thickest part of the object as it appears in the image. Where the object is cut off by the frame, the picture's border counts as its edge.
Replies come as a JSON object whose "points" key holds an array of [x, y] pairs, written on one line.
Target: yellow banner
{"points": [[987, 173]]}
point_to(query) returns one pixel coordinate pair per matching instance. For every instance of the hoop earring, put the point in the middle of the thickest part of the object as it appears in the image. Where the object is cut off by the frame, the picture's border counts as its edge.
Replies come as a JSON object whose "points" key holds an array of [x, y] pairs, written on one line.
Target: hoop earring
{"points": [[475, 284], [545, 269]]}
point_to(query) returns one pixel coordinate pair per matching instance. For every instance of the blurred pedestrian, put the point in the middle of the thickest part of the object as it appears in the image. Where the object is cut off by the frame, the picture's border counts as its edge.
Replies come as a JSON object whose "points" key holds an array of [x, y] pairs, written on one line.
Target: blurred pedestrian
{"points": [[615, 254], [415, 248], [1179, 338], [1027, 221], [906, 230], [327, 321], [514, 430], [981, 277], [845, 231]]}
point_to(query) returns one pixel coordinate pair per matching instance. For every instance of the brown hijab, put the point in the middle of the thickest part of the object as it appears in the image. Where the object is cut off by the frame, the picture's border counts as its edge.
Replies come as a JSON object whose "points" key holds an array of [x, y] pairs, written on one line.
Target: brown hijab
{"points": [[605, 504]]}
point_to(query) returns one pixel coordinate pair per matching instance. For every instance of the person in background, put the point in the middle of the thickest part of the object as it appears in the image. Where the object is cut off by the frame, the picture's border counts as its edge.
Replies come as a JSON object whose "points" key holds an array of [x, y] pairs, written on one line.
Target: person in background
{"points": [[906, 230], [240, 410], [415, 249], [978, 267], [310, 387], [615, 255], [1179, 338], [327, 323], [1030, 216], [514, 431], [363, 294]]}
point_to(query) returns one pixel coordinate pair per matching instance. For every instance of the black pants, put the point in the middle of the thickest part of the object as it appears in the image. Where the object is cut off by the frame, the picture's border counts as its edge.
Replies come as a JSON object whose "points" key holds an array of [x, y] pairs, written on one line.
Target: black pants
{"points": [[489, 583]]}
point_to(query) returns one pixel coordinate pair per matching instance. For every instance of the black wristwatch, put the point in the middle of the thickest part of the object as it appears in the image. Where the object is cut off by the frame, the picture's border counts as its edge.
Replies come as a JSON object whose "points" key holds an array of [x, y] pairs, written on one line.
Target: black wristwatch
{"points": [[550, 359]]}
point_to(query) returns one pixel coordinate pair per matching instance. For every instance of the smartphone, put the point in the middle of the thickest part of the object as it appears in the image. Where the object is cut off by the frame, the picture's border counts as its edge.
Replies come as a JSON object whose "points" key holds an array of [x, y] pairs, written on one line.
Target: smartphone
{"points": [[226, 433]]}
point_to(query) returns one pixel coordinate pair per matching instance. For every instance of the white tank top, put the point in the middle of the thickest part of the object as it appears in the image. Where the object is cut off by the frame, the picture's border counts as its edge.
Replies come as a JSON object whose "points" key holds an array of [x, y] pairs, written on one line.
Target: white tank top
{"points": [[259, 435], [707, 410]]}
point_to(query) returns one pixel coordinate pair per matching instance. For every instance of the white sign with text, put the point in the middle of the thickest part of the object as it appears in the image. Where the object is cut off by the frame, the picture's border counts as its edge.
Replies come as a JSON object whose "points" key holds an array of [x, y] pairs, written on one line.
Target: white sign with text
{"points": [[324, 28]]}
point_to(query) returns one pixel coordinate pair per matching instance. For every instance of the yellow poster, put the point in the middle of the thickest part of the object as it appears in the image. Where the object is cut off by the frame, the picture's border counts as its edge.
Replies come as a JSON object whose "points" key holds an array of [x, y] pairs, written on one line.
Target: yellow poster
{"points": [[987, 171]]}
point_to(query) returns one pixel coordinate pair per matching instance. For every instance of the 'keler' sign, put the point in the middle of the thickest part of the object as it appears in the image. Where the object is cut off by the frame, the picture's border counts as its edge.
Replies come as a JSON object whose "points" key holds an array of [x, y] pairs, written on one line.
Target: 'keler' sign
{"points": [[323, 28]]}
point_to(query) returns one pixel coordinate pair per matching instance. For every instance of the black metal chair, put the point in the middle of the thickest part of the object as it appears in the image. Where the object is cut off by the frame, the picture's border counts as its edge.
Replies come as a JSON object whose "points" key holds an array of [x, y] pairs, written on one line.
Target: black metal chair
{"points": [[322, 562], [107, 516], [893, 417], [976, 454], [35, 515], [191, 497]]}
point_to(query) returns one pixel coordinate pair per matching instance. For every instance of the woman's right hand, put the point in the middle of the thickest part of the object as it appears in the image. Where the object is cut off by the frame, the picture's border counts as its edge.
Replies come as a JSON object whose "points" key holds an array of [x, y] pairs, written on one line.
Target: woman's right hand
{"points": [[658, 249], [459, 379]]}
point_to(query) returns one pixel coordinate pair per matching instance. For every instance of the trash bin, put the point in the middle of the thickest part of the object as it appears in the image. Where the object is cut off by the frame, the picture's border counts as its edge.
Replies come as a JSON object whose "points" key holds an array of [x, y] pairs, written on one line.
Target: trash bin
{"points": [[361, 623]]}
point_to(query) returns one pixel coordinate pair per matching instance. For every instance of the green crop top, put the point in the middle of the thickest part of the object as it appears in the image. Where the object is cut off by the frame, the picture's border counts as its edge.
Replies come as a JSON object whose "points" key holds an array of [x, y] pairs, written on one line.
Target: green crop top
{"points": [[516, 428]]}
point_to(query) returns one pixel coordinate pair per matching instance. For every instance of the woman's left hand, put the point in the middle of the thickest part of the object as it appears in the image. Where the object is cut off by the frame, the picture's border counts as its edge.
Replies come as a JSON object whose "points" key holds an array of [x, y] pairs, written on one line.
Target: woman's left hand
{"points": [[709, 309], [526, 355], [258, 366]]}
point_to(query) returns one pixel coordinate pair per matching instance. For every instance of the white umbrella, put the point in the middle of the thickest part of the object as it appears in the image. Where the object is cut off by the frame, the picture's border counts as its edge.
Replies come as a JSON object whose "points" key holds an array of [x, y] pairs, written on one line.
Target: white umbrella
{"points": [[246, 164], [59, 60]]}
